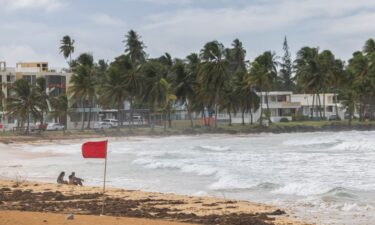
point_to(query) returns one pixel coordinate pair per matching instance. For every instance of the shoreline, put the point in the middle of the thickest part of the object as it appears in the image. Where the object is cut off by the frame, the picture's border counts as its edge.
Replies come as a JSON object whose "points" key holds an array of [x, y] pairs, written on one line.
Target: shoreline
{"points": [[9, 138], [50, 198]]}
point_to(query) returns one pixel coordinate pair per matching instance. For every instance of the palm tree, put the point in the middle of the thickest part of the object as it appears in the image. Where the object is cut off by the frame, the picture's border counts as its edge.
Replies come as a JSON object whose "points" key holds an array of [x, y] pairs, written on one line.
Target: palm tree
{"points": [[167, 103], [248, 99], [213, 73], [114, 91], [83, 84], [23, 103], [154, 91], [67, 48], [268, 61], [260, 81], [60, 108], [134, 47], [361, 80], [348, 100], [43, 96], [369, 47], [236, 56], [308, 73], [185, 84]]}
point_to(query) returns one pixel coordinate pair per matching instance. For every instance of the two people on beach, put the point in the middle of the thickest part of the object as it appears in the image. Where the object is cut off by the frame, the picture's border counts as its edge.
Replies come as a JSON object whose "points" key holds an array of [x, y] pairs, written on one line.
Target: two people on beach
{"points": [[73, 180]]}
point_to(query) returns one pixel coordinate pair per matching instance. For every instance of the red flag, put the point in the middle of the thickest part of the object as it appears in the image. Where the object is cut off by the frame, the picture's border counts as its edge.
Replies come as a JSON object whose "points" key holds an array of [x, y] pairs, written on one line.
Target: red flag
{"points": [[95, 150]]}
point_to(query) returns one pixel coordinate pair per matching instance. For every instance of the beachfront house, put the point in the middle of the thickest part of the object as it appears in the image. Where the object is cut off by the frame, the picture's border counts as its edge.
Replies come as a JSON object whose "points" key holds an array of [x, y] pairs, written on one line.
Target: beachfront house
{"points": [[280, 105], [329, 103]]}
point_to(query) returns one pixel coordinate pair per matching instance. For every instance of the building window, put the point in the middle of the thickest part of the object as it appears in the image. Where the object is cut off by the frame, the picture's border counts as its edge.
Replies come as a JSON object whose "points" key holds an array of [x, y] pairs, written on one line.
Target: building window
{"points": [[31, 79], [10, 78], [329, 109], [281, 98]]}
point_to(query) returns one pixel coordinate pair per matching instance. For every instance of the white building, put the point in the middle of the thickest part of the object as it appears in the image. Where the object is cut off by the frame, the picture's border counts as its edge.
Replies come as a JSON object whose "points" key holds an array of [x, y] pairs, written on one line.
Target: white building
{"points": [[327, 101]]}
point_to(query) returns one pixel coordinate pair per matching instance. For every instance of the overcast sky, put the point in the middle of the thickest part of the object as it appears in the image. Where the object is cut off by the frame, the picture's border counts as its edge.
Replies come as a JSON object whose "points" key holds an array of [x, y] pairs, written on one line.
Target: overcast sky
{"points": [[30, 30]]}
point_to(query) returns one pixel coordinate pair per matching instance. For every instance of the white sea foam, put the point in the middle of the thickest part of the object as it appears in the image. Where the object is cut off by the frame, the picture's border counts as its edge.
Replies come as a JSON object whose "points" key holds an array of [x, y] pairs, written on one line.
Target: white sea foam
{"points": [[215, 148], [302, 189]]}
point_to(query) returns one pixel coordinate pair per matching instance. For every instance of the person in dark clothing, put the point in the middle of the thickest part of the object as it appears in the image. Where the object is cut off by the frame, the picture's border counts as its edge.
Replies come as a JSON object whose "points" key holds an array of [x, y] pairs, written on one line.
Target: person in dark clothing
{"points": [[60, 178], [75, 180]]}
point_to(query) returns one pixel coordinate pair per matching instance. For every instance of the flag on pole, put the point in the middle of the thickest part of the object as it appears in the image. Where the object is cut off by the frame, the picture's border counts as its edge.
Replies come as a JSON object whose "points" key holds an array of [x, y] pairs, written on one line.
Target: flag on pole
{"points": [[96, 150]]}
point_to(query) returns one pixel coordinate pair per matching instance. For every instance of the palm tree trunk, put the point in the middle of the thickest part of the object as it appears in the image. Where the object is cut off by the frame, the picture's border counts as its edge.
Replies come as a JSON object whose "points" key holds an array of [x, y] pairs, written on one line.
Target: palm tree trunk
{"points": [[372, 107], [119, 103], [169, 120], [261, 109], [165, 120], [190, 116], [313, 107], [28, 121], [324, 104], [90, 110], [204, 117], [131, 114], [243, 117], [336, 107], [216, 107], [83, 115], [268, 109], [320, 107], [251, 117]]}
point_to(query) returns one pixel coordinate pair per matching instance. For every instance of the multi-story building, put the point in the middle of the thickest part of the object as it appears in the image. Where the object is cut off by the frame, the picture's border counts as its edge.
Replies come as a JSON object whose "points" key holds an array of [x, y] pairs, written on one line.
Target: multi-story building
{"points": [[310, 104], [56, 81]]}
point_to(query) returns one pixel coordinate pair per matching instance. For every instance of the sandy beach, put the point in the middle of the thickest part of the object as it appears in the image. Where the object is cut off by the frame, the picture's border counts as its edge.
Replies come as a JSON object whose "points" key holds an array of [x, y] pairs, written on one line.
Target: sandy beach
{"points": [[34, 203]]}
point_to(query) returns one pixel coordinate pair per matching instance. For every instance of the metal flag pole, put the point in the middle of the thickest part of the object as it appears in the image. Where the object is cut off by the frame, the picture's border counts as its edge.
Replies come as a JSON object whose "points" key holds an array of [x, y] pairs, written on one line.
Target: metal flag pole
{"points": [[105, 175]]}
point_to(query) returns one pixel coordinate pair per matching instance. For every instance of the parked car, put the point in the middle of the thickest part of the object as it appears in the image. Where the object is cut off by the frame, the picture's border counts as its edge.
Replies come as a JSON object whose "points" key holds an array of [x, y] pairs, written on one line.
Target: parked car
{"points": [[113, 122], [55, 126], [332, 117], [102, 125]]}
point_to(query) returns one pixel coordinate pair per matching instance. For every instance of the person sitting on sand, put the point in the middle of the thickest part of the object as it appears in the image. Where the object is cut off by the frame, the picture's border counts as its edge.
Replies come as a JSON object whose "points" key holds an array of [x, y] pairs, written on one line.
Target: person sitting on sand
{"points": [[75, 180], [60, 178]]}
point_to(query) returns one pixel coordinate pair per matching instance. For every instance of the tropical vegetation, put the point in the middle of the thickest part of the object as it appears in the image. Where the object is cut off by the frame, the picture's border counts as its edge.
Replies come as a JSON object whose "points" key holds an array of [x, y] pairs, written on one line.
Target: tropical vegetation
{"points": [[215, 79]]}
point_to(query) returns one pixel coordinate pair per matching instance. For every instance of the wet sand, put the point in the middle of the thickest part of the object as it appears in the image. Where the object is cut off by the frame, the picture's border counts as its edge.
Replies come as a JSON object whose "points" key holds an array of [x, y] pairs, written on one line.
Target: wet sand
{"points": [[51, 202], [36, 218]]}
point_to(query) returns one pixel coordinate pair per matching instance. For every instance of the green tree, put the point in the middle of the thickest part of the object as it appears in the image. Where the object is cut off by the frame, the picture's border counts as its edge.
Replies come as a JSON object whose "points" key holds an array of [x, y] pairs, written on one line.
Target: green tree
{"points": [[213, 73], [308, 74], [260, 82], [67, 48], [134, 47], [185, 85], [268, 63], [43, 96], [23, 102], [285, 74], [83, 85], [60, 108]]}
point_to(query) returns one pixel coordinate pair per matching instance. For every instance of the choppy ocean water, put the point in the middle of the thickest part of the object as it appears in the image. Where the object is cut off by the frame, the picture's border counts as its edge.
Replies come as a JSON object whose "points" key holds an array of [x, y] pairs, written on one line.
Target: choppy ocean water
{"points": [[327, 178]]}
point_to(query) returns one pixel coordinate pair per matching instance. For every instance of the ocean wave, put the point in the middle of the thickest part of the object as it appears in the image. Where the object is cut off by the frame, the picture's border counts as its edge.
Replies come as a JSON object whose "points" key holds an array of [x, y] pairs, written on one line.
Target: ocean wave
{"points": [[310, 141], [214, 148], [302, 189], [355, 145], [341, 193], [199, 169]]}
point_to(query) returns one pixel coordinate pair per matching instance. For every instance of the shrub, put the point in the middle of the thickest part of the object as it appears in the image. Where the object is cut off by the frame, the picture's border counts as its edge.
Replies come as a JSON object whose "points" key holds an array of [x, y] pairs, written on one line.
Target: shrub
{"points": [[284, 120]]}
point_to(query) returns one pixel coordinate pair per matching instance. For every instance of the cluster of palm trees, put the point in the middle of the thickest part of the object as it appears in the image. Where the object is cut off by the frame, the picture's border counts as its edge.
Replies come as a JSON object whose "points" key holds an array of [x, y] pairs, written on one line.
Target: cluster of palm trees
{"points": [[354, 83], [32, 102], [219, 79]]}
